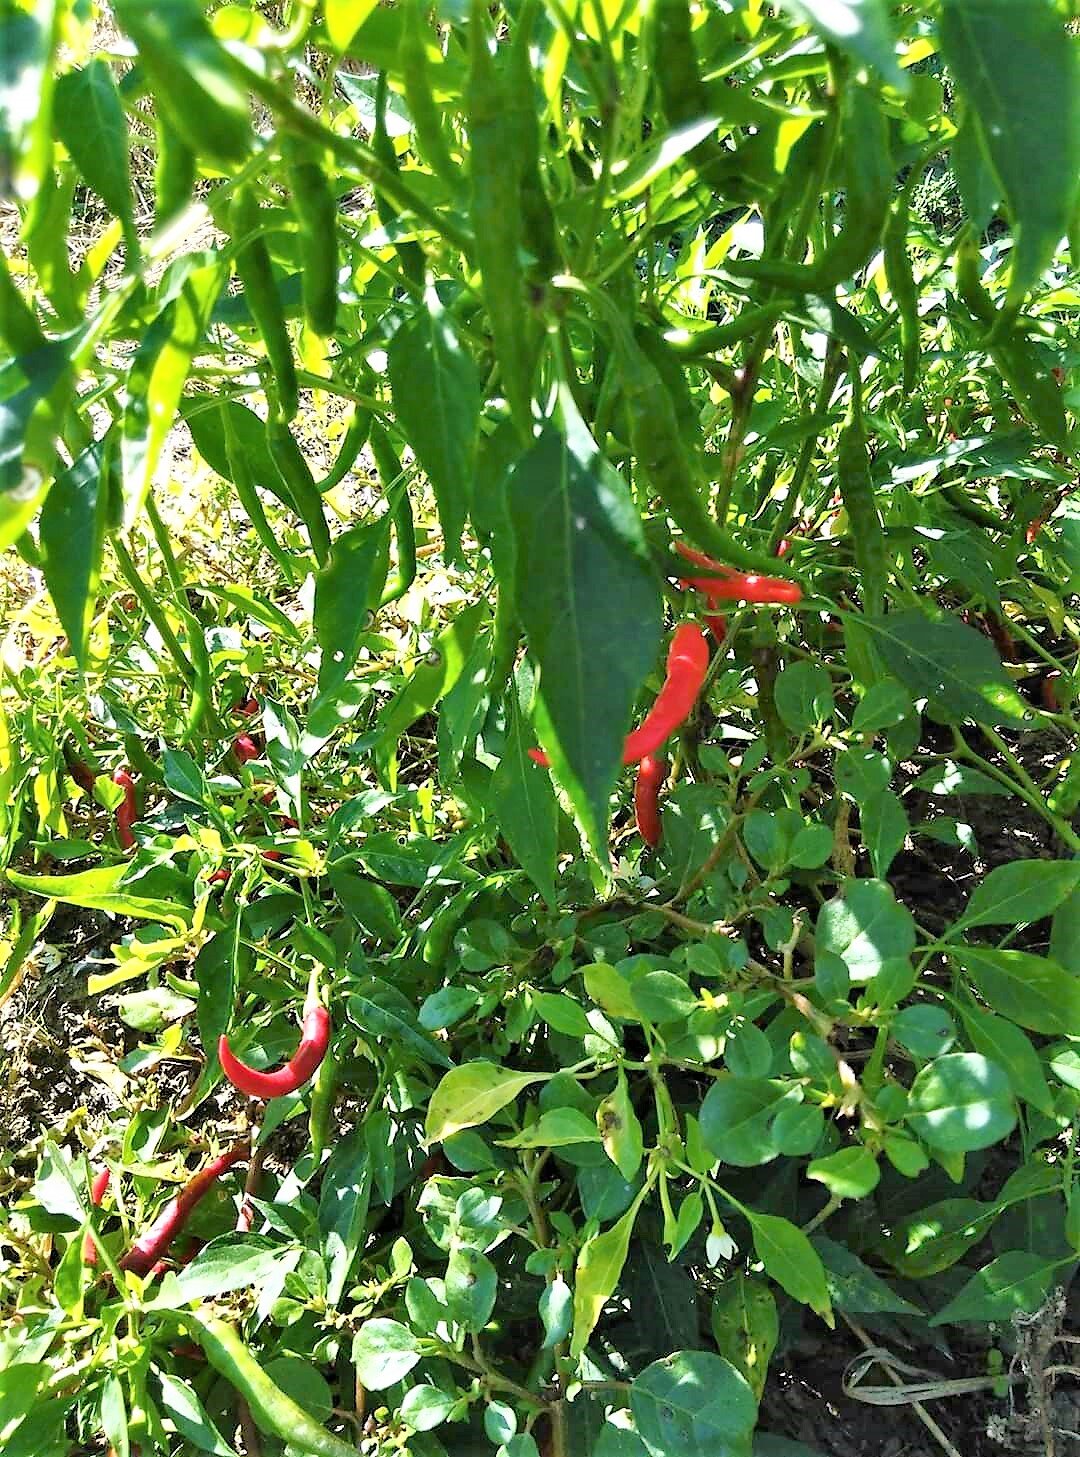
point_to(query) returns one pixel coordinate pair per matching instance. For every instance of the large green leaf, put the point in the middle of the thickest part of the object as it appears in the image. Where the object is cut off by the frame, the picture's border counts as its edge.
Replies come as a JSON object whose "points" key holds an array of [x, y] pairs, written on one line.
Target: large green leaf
{"points": [[103, 889], [472, 1094], [867, 928], [1015, 1282], [792, 1261], [694, 1404], [71, 533], [590, 608], [860, 27], [347, 590], [437, 399], [156, 378], [961, 1102], [1021, 891], [1019, 68], [599, 1267], [343, 1210], [525, 806], [1028, 989], [90, 122], [952, 665]]}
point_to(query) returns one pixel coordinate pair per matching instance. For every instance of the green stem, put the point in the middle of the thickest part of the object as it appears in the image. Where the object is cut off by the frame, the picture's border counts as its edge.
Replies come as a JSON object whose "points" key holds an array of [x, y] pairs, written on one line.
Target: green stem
{"points": [[150, 606]]}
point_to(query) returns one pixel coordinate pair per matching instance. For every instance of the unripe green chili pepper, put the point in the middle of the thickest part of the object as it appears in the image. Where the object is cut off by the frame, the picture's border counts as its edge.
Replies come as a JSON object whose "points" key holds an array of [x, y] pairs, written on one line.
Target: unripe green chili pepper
{"points": [[1036, 391], [901, 281], [248, 496], [869, 175], [294, 471], [253, 268], [355, 438], [323, 1096], [410, 254], [316, 212], [389, 467], [174, 172], [419, 95], [495, 208], [684, 96], [523, 113], [669, 469], [274, 1411], [860, 502], [1064, 798], [201, 700]]}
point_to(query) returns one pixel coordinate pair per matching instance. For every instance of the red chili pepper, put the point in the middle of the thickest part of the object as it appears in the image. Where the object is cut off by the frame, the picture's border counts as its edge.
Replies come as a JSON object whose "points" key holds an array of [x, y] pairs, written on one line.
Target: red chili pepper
{"points": [[245, 748], [314, 1041], [285, 821], [82, 774], [272, 855], [1048, 693], [1002, 637], [783, 548], [1033, 529], [734, 586], [127, 811], [160, 1266], [153, 1245], [219, 877], [647, 786], [687, 663], [247, 708], [98, 1185]]}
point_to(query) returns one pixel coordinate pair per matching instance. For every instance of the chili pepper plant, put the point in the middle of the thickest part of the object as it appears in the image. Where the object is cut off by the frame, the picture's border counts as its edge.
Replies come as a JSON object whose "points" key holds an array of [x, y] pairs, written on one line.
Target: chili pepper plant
{"points": [[538, 732]]}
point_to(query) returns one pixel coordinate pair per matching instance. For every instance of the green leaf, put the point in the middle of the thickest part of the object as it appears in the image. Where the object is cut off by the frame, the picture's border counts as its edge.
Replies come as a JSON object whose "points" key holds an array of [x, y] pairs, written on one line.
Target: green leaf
{"points": [[1065, 935], [434, 676], [554, 1129], [853, 1286], [472, 1094], [746, 1326], [157, 375], [471, 1287], [866, 927], [437, 398], [952, 665], [71, 535], [693, 1404], [620, 1130], [804, 696], [525, 806], [232, 1262], [738, 1118], [1029, 990], [375, 1012], [950, 777], [29, 37], [792, 1261], [1020, 892], [599, 1265], [1018, 67], [961, 1102], [1003, 1042], [883, 824], [1017, 1281], [384, 1352], [849, 1173], [193, 77], [370, 904], [344, 18], [632, 177], [343, 1210], [89, 119], [102, 890], [882, 706], [860, 27], [181, 1405], [347, 591], [34, 390], [426, 1407], [590, 606]]}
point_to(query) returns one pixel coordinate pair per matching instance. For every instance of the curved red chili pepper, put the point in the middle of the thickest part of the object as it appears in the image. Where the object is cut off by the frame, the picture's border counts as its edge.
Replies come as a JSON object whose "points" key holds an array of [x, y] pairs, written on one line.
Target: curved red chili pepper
{"points": [[245, 748], [153, 1244], [219, 877], [127, 812], [732, 586], [647, 786], [98, 1185], [272, 855], [246, 708], [687, 664], [314, 1040]]}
